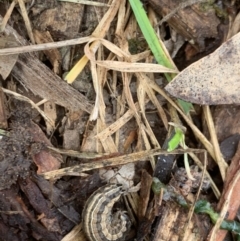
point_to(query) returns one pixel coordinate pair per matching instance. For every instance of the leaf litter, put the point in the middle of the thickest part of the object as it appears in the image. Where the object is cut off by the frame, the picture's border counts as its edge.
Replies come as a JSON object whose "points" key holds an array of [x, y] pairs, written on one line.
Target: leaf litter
{"points": [[104, 131]]}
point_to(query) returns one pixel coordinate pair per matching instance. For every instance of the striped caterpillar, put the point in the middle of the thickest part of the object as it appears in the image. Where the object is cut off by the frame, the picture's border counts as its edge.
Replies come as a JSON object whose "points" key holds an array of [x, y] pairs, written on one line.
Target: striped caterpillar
{"points": [[99, 223]]}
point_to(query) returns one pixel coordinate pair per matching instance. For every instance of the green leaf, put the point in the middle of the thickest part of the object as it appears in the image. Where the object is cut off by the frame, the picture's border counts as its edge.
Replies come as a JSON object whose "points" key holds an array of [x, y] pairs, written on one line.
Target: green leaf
{"points": [[176, 139]]}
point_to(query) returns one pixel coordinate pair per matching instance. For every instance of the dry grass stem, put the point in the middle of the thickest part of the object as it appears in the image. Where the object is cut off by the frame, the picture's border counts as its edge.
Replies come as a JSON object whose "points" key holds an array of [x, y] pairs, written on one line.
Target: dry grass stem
{"points": [[7, 16], [218, 155], [26, 20], [40, 47], [114, 161], [92, 3]]}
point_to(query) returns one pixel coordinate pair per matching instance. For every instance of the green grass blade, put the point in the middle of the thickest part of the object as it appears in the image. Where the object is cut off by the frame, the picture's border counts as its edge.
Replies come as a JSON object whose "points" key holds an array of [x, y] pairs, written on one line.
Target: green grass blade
{"points": [[154, 44]]}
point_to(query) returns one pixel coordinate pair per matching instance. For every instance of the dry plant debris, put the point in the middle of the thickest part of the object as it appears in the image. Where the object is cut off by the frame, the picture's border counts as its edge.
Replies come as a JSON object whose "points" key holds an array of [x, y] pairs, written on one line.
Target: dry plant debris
{"points": [[108, 124]]}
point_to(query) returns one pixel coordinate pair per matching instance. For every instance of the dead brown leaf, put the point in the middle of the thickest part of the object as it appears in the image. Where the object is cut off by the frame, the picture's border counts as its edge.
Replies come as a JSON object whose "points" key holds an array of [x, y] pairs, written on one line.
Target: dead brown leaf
{"points": [[213, 80]]}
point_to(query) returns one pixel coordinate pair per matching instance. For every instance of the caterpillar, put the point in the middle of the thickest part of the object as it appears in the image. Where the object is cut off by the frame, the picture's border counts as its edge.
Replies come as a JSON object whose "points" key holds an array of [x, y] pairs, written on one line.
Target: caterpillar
{"points": [[99, 223]]}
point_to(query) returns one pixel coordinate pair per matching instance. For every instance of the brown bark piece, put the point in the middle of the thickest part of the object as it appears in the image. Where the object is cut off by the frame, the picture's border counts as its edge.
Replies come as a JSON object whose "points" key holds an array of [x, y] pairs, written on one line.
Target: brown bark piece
{"points": [[35, 197], [178, 223], [8, 199], [54, 194], [172, 227], [191, 22], [43, 82], [40, 204], [50, 216], [38, 231]]}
